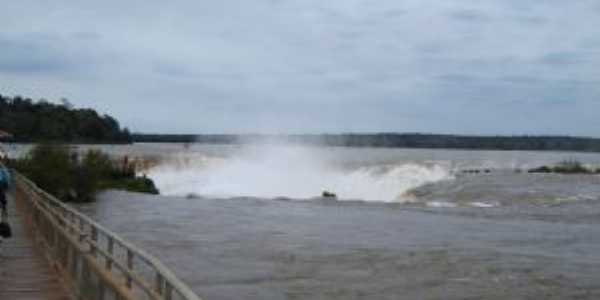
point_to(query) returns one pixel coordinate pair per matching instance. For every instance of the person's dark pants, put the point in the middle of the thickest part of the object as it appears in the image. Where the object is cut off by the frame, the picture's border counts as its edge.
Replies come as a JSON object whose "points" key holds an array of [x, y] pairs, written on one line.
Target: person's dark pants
{"points": [[3, 205]]}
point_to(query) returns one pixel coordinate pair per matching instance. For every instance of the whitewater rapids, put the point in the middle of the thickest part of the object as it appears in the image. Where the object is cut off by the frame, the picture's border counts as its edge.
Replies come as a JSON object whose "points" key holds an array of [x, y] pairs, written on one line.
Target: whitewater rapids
{"points": [[291, 172]]}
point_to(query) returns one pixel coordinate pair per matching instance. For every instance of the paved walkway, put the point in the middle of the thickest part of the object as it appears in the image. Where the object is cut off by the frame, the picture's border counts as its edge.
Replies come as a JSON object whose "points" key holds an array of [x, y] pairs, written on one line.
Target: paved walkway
{"points": [[24, 273]]}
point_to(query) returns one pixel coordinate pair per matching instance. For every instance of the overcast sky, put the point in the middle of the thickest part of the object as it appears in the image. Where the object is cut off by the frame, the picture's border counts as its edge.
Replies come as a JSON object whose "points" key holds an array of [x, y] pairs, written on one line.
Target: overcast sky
{"points": [[308, 66]]}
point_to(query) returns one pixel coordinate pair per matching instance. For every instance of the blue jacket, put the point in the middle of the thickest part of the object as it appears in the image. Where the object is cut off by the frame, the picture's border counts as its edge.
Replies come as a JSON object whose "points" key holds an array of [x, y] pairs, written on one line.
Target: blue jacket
{"points": [[4, 178]]}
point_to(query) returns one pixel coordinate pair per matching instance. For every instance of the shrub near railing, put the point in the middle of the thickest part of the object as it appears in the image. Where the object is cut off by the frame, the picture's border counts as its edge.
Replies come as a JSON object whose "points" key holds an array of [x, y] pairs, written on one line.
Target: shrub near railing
{"points": [[72, 176]]}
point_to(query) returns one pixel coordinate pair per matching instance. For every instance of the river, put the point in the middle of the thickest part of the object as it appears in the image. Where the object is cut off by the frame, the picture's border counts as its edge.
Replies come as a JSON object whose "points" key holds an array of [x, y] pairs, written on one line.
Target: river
{"points": [[247, 222]]}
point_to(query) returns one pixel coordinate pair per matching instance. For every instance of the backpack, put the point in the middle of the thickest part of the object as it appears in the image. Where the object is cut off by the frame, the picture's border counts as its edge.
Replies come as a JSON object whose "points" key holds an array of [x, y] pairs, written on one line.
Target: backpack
{"points": [[5, 230]]}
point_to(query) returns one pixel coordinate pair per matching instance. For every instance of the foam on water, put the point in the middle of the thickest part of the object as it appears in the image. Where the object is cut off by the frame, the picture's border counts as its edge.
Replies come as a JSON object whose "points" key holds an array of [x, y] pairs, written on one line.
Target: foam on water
{"points": [[294, 172], [483, 204], [440, 204]]}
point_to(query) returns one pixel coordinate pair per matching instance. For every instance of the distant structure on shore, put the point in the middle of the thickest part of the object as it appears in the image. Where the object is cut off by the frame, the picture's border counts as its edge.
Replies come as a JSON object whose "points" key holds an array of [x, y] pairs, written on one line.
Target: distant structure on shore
{"points": [[390, 140], [4, 135]]}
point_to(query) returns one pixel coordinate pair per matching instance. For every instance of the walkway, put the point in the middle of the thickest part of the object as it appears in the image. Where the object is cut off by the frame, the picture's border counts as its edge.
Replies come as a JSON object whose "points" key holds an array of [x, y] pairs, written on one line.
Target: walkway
{"points": [[24, 273]]}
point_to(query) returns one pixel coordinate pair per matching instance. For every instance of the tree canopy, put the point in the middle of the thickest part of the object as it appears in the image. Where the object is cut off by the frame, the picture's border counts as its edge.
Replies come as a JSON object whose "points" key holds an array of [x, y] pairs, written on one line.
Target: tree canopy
{"points": [[33, 121]]}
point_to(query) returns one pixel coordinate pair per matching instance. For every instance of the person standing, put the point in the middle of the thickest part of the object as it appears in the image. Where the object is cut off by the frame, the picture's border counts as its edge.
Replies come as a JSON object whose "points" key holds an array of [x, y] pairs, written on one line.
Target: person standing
{"points": [[5, 231], [4, 183]]}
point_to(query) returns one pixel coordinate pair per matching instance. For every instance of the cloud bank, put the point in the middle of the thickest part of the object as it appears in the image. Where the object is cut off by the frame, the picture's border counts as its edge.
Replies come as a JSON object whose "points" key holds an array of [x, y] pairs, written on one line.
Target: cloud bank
{"points": [[307, 66]]}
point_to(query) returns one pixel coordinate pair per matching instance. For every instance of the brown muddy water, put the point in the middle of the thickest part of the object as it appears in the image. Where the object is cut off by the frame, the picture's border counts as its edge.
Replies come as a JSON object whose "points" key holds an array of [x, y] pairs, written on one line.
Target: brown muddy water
{"points": [[408, 224]]}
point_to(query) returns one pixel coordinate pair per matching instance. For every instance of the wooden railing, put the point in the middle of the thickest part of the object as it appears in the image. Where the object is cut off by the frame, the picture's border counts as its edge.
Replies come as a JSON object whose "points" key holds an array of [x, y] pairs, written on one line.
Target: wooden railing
{"points": [[95, 262]]}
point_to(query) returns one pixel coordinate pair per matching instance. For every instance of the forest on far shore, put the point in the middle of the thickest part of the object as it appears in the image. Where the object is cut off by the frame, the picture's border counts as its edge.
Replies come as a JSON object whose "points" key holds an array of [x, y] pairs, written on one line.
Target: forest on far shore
{"points": [[391, 140], [41, 121]]}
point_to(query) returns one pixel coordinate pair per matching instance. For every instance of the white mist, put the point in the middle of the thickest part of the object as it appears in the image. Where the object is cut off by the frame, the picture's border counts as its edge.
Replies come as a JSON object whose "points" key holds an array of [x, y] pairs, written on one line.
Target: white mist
{"points": [[293, 172]]}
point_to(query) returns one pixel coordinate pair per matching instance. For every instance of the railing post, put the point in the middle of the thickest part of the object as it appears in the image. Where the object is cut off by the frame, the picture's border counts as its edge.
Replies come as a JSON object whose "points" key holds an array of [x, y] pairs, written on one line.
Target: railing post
{"points": [[94, 241], [73, 223], [111, 246], [159, 283], [129, 266], [81, 230], [54, 233], [101, 291], [84, 280], [65, 218], [168, 291], [74, 258]]}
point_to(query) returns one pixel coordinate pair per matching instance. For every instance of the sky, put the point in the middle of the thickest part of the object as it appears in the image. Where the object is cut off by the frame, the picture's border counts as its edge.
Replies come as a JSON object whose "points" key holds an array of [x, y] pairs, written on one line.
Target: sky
{"points": [[313, 66]]}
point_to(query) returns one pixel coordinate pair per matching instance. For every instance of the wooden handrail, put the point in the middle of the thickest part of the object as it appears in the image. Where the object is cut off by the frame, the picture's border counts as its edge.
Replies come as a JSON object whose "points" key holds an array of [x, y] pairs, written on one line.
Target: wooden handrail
{"points": [[84, 235]]}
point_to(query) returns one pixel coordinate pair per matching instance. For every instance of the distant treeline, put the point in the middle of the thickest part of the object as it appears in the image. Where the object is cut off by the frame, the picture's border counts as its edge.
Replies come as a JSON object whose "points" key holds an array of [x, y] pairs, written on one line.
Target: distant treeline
{"points": [[392, 140], [34, 121], [186, 138]]}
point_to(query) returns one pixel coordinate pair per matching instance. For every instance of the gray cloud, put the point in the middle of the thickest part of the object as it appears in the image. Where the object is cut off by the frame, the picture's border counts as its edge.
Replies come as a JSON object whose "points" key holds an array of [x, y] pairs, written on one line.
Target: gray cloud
{"points": [[468, 15], [30, 53], [86, 35], [532, 20], [308, 65], [563, 58]]}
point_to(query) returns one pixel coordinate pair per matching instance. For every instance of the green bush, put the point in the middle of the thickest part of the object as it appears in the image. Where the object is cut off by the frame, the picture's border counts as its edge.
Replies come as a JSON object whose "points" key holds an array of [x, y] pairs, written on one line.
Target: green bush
{"points": [[136, 184], [61, 172], [542, 169], [565, 167], [98, 162], [50, 167], [571, 167]]}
